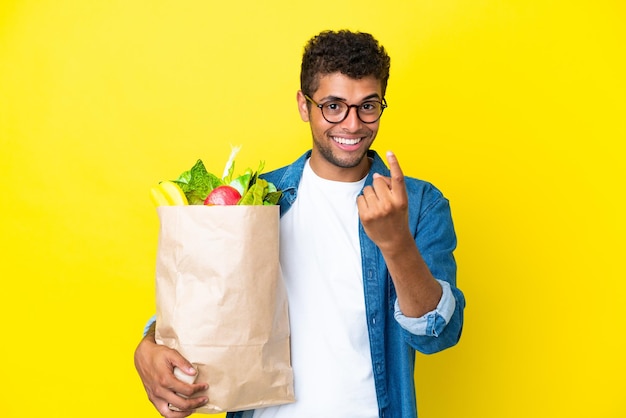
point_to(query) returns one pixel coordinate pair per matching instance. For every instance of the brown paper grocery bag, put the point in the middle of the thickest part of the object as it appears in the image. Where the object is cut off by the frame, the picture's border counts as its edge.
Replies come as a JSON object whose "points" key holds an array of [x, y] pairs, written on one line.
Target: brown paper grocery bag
{"points": [[222, 304]]}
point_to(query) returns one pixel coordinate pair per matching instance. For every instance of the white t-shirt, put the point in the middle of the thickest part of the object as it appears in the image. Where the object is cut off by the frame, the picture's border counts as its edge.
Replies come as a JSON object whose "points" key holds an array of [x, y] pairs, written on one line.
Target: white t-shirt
{"points": [[321, 263]]}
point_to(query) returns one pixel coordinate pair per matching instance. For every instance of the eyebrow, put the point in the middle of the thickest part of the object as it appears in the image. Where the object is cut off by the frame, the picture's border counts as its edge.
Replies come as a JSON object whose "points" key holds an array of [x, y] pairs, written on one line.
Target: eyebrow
{"points": [[341, 99]]}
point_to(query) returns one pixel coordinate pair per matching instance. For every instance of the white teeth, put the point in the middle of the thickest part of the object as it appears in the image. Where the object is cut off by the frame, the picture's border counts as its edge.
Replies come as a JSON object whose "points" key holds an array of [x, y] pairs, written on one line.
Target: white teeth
{"points": [[346, 141]]}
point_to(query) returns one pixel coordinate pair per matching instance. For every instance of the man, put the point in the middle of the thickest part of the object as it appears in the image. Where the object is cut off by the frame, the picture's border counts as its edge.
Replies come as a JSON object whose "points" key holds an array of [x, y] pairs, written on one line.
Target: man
{"points": [[366, 255]]}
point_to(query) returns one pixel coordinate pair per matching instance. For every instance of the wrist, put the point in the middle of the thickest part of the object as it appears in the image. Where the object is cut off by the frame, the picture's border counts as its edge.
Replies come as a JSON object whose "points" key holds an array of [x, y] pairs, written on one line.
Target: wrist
{"points": [[398, 246], [150, 337]]}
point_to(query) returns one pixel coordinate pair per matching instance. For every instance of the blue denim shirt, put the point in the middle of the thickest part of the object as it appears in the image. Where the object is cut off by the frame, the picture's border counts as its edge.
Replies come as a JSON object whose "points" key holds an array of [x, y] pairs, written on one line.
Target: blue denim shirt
{"points": [[394, 338]]}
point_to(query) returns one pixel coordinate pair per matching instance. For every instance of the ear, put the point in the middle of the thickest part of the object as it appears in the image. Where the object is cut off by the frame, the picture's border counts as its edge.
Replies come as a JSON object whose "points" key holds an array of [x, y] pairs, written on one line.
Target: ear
{"points": [[303, 106]]}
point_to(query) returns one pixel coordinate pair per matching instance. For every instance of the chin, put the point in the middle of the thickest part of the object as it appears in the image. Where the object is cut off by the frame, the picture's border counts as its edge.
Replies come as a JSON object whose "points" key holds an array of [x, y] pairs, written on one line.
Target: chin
{"points": [[350, 161]]}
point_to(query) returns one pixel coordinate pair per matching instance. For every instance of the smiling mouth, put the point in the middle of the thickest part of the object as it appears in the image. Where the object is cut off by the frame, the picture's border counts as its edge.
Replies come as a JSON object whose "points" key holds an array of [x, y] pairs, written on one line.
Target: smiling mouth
{"points": [[346, 141]]}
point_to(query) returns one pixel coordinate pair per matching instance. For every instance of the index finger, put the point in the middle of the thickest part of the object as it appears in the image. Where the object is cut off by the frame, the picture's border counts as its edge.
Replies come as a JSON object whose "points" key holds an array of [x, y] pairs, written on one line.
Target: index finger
{"points": [[397, 177]]}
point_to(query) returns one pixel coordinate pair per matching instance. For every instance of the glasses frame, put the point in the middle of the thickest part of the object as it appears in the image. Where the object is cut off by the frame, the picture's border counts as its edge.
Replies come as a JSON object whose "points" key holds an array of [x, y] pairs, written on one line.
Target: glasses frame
{"points": [[320, 106]]}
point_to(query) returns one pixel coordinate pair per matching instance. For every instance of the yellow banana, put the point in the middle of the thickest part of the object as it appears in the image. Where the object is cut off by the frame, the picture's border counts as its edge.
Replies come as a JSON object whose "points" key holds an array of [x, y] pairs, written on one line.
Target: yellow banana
{"points": [[174, 193], [157, 196], [168, 193]]}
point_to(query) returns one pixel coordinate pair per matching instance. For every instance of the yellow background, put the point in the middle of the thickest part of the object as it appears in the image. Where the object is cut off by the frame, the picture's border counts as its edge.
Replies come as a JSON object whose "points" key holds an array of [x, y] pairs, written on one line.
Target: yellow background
{"points": [[514, 108]]}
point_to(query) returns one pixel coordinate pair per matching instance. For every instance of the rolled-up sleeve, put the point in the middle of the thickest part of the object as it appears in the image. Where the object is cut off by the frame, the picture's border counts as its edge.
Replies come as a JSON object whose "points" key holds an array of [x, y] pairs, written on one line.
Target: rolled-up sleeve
{"points": [[433, 322]]}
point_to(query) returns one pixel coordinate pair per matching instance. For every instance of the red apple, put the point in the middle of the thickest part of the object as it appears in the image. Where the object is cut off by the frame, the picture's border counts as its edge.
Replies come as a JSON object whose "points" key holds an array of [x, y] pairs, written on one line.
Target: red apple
{"points": [[223, 195]]}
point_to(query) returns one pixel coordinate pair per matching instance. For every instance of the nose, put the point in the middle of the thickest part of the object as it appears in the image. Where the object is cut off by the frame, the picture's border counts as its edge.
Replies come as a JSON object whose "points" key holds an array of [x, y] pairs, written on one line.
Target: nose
{"points": [[352, 122]]}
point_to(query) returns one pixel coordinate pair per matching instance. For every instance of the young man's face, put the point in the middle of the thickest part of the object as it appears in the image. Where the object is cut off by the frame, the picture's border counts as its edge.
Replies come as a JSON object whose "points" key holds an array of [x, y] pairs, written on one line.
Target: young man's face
{"points": [[339, 149]]}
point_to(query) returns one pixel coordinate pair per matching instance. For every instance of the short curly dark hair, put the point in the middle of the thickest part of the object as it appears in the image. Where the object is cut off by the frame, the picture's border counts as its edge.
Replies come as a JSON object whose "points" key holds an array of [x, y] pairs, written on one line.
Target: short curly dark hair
{"points": [[354, 54]]}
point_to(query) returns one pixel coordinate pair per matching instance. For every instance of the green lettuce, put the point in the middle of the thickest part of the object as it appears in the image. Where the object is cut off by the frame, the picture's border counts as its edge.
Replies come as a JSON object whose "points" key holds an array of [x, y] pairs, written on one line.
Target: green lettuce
{"points": [[198, 182]]}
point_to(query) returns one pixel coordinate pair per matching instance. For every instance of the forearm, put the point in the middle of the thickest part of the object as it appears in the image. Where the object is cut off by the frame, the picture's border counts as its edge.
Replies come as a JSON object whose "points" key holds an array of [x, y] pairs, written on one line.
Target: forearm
{"points": [[417, 290]]}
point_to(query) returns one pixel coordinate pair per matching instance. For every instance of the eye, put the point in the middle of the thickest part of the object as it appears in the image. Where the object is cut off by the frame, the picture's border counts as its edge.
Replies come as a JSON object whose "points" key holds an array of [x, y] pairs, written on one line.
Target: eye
{"points": [[370, 107], [334, 107]]}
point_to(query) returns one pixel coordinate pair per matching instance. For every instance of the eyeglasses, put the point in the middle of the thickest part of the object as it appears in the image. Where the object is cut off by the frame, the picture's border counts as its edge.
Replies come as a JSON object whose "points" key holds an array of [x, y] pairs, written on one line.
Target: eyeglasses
{"points": [[335, 111]]}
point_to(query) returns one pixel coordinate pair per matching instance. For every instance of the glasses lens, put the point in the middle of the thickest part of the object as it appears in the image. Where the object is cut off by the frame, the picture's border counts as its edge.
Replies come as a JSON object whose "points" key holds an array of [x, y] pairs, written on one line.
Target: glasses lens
{"points": [[335, 111], [370, 111]]}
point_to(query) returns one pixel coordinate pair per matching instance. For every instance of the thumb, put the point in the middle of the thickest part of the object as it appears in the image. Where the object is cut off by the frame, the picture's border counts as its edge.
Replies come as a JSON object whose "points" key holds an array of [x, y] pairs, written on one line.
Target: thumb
{"points": [[387, 180], [187, 376], [176, 360], [184, 366]]}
